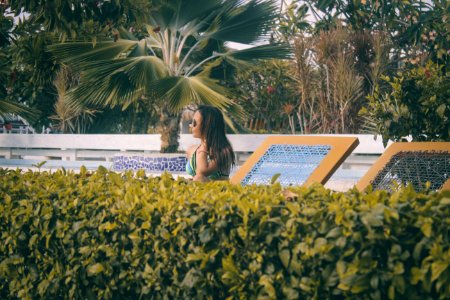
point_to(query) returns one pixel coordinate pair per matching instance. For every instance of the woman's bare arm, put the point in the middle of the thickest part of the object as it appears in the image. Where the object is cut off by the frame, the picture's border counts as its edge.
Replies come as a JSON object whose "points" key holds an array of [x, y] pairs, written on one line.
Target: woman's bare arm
{"points": [[204, 168]]}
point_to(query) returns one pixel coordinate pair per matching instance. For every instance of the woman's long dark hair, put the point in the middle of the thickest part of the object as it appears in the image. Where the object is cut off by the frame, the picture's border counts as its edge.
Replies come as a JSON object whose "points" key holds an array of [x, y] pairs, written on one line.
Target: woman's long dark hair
{"points": [[213, 132]]}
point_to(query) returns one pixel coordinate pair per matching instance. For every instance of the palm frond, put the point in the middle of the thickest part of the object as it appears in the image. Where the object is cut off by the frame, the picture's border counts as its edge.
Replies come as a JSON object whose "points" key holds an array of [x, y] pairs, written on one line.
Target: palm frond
{"points": [[186, 11], [117, 82], [8, 107], [139, 50], [84, 53], [126, 34], [244, 23], [270, 51], [181, 91], [207, 68]]}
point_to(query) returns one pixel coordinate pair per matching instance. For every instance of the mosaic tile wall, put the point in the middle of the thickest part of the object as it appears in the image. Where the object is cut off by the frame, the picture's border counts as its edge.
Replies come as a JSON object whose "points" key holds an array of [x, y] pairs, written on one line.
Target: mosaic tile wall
{"points": [[150, 164], [295, 163]]}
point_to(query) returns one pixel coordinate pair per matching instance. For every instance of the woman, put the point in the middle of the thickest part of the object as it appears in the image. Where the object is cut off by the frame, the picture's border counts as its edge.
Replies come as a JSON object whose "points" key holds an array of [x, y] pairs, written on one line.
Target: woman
{"points": [[214, 157]]}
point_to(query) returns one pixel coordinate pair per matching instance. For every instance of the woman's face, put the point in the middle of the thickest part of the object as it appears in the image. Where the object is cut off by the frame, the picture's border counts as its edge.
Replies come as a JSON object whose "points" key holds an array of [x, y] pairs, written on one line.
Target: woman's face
{"points": [[196, 124]]}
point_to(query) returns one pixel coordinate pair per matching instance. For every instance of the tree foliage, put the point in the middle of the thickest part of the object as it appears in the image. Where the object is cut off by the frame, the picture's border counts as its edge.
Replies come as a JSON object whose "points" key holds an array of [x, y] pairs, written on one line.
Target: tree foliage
{"points": [[78, 18], [409, 23], [172, 61], [6, 104], [417, 104], [267, 93]]}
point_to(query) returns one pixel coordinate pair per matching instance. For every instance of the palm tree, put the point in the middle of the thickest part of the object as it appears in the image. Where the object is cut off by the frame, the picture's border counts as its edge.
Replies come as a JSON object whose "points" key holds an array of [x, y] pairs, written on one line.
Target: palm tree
{"points": [[169, 63], [67, 118], [6, 106]]}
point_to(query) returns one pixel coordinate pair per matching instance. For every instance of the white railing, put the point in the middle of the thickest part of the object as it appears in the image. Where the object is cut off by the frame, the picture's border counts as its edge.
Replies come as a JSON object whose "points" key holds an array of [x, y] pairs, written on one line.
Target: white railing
{"points": [[17, 144], [90, 148], [71, 151]]}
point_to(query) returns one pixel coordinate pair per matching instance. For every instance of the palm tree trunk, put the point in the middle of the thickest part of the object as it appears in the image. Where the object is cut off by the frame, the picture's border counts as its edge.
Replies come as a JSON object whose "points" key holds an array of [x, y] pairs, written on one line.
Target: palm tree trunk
{"points": [[169, 128]]}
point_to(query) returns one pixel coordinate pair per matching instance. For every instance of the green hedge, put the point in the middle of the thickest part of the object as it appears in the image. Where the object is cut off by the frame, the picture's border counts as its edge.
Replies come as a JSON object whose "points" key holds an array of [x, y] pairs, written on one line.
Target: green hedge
{"points": [[126, 236]]}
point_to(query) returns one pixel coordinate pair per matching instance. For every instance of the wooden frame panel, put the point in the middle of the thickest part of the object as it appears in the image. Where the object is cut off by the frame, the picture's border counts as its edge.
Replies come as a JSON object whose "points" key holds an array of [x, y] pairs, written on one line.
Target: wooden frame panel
{"points": [[398, 147], [341, 147]]}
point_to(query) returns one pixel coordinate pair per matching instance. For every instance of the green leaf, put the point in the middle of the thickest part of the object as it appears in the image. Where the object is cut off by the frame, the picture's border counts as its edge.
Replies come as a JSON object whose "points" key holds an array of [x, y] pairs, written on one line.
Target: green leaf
{"points": [[8, 107], [243, 23], [95, 269], [195, 257], [427, 227], [205, 236], [285, 257], [334, 233], [416, 275], [271, 51], [84, 53], [42, 287], [268, 287], [441, 110], [181, 91], [437, 268], [445, 201], [108, 226], [117, 82], [274, 178], [191, 278], [341, 268]]}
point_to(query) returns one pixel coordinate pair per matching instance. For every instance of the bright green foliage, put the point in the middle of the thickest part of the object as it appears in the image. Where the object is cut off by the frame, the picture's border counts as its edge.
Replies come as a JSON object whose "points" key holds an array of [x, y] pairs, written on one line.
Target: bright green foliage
{"points": [[417, 105], [105, 235]]}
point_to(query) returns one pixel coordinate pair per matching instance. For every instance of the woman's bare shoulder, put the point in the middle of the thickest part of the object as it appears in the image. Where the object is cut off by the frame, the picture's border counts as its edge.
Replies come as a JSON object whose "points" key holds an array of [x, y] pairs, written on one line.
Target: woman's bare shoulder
{"points": [[202, 148], [190, 150]]}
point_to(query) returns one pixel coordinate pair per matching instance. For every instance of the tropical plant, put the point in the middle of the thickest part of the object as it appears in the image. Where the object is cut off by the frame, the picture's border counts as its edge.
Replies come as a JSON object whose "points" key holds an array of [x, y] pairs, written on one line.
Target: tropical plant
{"points": [[264, 91], [413, 26], [173, 60], [69, 119], [73, 18], [30, 70], [417, 104], [292, 20], [8, 106], [330, 85]]}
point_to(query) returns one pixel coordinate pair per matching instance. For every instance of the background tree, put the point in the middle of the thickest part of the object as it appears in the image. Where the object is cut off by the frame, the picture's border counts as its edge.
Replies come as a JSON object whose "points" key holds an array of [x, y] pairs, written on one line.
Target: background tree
{"points": [[331, 81], [413, 26], [69, 119], [30, 69], [263, 91], [169, 62], [416, 105], [7, 105], [378, 39], [80, 18]]}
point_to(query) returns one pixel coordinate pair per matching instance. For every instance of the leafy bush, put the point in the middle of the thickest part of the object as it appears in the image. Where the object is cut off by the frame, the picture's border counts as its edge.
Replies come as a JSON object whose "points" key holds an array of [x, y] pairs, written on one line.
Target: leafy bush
{"points": [[124, 236], [417, 104]]}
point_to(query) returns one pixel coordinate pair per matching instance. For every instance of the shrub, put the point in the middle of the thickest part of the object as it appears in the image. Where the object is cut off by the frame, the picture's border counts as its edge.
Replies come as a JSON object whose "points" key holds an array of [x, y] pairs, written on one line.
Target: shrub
{"points": [[417, 105], [126, 236]]}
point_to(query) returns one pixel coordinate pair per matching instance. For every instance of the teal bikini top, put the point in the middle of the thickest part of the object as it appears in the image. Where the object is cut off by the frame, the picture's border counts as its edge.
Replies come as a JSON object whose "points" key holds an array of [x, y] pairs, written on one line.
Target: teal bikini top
{"points": [[191, 166]]}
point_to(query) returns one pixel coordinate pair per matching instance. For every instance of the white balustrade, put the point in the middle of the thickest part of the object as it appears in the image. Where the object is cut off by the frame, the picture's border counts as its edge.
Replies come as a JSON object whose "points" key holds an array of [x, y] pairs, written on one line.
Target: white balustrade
{"points": [[74, 149]]}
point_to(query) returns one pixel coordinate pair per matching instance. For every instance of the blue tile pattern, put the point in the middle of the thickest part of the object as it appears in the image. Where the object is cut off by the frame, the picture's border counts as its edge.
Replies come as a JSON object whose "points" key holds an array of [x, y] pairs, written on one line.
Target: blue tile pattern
{"points": [[295, 163], [149, 164]]}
